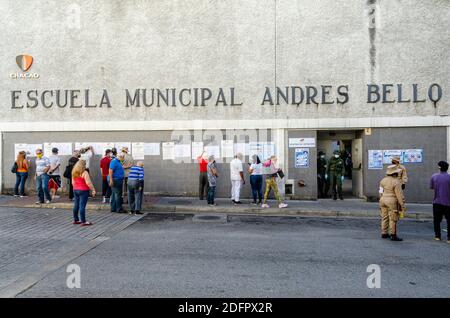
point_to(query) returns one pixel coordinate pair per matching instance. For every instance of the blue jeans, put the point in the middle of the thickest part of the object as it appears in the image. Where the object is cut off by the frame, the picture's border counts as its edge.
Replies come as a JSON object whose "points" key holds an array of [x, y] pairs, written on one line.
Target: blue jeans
{"points": [[42, 187], [116, 195], [135, 190], [79, 205], [211, 194], [256, 182], [21, 178]]}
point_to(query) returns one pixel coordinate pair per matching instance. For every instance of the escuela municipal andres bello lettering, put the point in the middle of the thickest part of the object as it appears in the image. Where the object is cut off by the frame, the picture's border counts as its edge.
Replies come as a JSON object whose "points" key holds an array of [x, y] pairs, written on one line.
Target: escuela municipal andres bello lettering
{"points": [[185, 97]]}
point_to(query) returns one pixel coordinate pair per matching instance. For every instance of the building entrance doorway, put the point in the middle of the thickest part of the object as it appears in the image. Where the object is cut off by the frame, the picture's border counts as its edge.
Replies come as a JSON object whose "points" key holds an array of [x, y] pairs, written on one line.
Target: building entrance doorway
{"points": [[348, 143]]}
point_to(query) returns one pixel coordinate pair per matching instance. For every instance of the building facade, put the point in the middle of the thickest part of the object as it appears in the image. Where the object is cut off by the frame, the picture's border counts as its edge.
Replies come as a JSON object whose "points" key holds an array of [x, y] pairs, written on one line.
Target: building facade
{"points": [[283, 77]]}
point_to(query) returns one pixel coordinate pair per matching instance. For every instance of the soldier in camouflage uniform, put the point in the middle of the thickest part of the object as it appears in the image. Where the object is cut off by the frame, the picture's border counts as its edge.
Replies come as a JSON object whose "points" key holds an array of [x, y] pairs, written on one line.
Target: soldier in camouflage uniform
{"points": [[336, 172]]}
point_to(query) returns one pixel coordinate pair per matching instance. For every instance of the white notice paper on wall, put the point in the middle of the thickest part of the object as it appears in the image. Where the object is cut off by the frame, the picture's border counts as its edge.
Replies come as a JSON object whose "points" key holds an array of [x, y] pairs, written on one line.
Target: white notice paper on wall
{"points": [[269, 150], [302, 142], [107, 145], [213, 151], [79, 145], [227, 148], [168, 149], [241, 148], [64, 148], [152, 149], [30, 149], [197, 149], [138, 150], [122, 144], [183, 151]]}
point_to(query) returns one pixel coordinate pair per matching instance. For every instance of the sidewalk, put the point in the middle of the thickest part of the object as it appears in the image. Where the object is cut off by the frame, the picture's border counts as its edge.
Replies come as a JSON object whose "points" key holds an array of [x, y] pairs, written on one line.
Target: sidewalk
{"points": [[323, 207]]}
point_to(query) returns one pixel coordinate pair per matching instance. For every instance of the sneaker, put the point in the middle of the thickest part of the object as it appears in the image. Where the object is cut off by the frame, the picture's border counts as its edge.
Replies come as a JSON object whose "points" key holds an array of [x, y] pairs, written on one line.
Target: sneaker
{"points": [[237, 202], [38, 202], [395, 238], [212, 204], [264, 205], [130, 212], [76, 222], [104, 200], [86, 224], [282, 205], [48, 202], [138, 213], [385, 236], [253, 203], [232, 201], [16, 195], [437, 238]]}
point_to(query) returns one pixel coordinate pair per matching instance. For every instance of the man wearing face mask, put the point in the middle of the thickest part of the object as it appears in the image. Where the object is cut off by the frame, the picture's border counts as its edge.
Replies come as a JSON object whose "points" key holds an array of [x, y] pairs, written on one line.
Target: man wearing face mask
{"points": [[42, 177], [336, 172], [321, 174]]}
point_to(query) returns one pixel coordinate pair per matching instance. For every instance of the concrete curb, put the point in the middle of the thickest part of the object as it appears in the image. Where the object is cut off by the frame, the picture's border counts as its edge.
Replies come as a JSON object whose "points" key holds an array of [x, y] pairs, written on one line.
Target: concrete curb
{"points": [[238, 210]]}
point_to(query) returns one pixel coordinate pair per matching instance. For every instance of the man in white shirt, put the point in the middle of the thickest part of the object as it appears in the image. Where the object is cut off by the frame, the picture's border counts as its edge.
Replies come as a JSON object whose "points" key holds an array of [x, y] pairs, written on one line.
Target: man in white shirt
{"points": [[54, 173], [237, 178], [86, 155]]}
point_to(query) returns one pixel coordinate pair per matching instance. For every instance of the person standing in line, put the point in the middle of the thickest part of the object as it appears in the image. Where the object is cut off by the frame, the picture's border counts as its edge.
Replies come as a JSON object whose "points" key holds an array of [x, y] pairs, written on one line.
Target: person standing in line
{"points": [[54, 173], [403, 177], [113, 152], [135, 188], [203, 176], [68, 172], [391, 198], [21, 174], [212, 180], [271, 182], [321, 174], [256, 180], [336, 172], [42, 168], [237, 178], [440, 183], [104, 166], [127, 163], [115, 178], [86, 155], [82, 185]]}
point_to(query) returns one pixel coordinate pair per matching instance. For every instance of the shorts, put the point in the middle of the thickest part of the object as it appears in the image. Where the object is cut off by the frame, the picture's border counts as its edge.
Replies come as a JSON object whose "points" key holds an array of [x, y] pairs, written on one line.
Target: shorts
{"points": [[54, 182]]}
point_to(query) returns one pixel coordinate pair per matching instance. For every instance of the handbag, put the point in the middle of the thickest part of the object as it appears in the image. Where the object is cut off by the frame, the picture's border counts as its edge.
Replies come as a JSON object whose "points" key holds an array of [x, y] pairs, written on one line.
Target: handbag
{"points": [[280, 174], [14, 168]]}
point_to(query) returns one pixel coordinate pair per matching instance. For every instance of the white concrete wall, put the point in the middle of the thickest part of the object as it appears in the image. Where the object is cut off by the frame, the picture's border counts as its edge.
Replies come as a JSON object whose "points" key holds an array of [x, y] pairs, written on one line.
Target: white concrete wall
{"points": [[248, 45]]}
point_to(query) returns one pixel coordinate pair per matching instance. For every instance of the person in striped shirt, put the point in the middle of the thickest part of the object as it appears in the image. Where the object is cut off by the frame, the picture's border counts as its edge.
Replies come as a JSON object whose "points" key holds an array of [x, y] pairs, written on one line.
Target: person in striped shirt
{"points": [[136, 188]]}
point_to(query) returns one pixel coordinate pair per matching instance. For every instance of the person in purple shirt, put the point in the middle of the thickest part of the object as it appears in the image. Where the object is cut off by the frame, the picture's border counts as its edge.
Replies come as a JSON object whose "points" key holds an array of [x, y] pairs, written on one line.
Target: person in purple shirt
{"points": [[440, 183]]}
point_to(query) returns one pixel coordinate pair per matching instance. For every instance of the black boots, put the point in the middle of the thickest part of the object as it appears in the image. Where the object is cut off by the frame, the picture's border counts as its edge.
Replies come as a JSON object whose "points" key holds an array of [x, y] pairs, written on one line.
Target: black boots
{"points": [[395, 238], [385, 236]]}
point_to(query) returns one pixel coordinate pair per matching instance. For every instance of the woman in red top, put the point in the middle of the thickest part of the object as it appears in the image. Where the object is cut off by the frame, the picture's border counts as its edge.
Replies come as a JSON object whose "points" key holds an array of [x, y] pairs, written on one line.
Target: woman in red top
{"points": [[81, 186], [203, 177], [104, 165]]}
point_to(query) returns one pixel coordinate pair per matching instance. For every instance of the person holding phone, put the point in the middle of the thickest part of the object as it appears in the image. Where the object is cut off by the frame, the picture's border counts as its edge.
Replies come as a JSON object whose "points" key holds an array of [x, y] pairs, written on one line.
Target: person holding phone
{"points": [[256, 180]]}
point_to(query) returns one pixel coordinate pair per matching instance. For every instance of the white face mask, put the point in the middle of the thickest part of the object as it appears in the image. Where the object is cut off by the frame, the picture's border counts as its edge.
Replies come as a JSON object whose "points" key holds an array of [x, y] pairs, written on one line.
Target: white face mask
{"points": [[322, 156], [336, 156]]}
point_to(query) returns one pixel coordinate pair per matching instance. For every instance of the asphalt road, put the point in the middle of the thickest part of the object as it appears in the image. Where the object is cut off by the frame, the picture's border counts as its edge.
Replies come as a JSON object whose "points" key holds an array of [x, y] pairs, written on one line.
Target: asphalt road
{"points": [[257, 257]]}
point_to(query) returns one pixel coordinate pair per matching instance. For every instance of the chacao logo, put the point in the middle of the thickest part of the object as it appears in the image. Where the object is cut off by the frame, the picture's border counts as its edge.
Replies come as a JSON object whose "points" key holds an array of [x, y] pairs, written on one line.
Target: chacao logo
{"points": [[24, 62]]}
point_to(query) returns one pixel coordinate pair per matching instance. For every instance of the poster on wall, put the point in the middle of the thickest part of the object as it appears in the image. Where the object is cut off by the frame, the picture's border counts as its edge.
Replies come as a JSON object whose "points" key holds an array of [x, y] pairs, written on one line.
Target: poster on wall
{"points": [[241, 148], [106, 145], [138, 150], [375, 159], [182, 151], [122, 144], [413, 156], [168, 150], [227, 148], [301, 157], [197, 149], [388, 154], [30, 149], [152, 149], [269, 150], [256, 148], [64, 148], [213, 150], [302, 142]]}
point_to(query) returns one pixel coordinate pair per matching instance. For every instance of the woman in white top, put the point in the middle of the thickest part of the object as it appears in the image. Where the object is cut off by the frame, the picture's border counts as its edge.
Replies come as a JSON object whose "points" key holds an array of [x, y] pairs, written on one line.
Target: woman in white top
{"points": [[256, 181]]}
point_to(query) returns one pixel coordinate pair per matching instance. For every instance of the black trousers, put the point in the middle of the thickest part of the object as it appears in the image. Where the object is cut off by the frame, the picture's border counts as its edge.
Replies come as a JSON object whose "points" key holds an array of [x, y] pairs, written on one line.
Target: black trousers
{"points": [[203, 185], [440, 211], [71, 196]]}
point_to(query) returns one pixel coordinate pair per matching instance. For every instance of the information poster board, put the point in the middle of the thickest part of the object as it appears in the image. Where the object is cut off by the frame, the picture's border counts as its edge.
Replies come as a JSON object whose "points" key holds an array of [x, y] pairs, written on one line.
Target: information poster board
{"points": [[302, 142], [197, 149], [152, 149], [138, 150], [413, 156], [168, 150], [388, 154], [301, 157], [213, 150], [375, 159], [182, 151], [64, 148], [227, 148], [30, 149]]}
